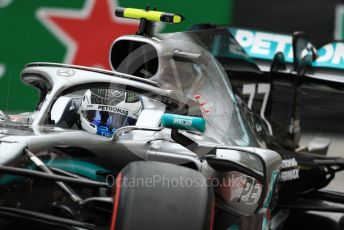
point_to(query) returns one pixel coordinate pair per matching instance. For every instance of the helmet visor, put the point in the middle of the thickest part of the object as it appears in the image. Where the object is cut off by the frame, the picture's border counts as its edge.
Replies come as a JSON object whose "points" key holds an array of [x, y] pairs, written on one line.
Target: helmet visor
{"points": [[108, 110]]}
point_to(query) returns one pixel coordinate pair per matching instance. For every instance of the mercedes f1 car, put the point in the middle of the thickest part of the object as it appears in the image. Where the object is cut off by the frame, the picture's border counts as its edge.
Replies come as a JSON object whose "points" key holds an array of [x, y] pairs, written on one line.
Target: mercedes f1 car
{"points": [[162, 141]]}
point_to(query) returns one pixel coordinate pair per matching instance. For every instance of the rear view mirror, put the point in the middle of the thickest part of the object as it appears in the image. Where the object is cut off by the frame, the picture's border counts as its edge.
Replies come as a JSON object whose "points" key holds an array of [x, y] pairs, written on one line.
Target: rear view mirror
{"points": [[304, 52], [242, 178], [249, 176]]}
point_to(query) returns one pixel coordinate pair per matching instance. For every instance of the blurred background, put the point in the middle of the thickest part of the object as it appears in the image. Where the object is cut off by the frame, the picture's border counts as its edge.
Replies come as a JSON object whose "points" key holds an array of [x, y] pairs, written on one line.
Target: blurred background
{"points": [[80, 31]]}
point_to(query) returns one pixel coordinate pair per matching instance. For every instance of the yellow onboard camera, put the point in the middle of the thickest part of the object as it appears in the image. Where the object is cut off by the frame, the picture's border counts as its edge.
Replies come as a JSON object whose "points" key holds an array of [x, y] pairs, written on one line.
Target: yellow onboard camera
{"points": [[148, 18]]}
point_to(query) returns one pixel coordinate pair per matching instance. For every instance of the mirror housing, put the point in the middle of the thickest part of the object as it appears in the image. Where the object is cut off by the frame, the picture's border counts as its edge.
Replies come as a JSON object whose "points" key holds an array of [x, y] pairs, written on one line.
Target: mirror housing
{"points": [[252, 174], [232, 159]]}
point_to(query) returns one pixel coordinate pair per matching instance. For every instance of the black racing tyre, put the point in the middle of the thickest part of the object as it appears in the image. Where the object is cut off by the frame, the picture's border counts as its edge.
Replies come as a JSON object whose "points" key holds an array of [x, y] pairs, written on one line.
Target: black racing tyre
{"points": [[154, 195]]}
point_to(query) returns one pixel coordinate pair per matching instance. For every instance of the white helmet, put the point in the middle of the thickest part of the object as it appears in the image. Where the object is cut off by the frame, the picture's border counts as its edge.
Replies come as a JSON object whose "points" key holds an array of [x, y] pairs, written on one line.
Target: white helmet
{"points": [[103, 111]]}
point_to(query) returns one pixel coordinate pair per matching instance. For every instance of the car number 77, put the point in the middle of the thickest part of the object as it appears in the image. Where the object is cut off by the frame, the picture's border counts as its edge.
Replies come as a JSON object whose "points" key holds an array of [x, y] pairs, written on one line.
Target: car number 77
{"points": [[263, 88]]}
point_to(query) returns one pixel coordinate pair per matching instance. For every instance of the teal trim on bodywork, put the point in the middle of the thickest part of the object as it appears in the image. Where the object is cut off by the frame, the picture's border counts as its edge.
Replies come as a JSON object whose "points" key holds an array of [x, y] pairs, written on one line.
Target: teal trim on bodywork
{"points": [[183, 122], [78, 167], [82, 168], [234, 227], [273, 181], [233, 51], [8, 179]]}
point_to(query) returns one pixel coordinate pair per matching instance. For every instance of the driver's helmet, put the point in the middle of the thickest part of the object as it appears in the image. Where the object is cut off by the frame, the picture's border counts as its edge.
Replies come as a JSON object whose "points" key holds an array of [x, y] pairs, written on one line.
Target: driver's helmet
{"points": [[103, 111]]}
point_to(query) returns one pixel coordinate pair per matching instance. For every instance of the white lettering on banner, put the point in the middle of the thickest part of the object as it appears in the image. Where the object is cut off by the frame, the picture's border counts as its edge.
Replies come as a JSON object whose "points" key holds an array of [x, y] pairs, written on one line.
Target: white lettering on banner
{"points": [[262, 43], [265, 45], [282, 42], [292, 173], [245, 38], [328, 54], [339, 54]]}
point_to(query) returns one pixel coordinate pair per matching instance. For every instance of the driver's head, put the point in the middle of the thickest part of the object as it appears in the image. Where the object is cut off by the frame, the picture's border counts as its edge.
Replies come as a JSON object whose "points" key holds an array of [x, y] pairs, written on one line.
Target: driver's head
{"points": [[103, 111]]}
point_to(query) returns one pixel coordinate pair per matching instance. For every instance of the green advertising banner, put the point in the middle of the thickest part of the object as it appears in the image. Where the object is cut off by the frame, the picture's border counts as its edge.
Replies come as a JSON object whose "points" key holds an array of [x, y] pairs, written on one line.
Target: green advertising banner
{"points": [[76, 32]]}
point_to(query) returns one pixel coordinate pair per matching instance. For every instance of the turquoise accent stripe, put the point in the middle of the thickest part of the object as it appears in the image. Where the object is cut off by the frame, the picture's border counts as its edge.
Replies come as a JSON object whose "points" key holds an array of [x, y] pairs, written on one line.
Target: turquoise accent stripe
{"points": [[78, 167], [234, 227], [82, 168], [267, 201], [183, 122], [8, 179]]}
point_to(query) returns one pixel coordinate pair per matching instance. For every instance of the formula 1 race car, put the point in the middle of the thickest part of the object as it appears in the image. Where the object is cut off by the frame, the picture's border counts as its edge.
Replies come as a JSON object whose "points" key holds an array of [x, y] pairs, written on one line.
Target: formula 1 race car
{"points": [[162, 141]]}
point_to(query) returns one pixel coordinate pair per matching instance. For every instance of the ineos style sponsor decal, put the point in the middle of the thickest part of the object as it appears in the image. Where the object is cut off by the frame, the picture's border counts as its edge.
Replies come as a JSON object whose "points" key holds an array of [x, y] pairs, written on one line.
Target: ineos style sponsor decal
{"points": [[290, 170], [289, 163], [290, 175]]}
